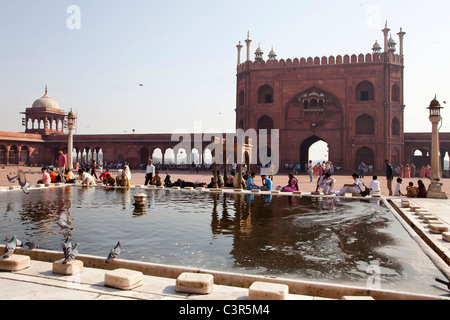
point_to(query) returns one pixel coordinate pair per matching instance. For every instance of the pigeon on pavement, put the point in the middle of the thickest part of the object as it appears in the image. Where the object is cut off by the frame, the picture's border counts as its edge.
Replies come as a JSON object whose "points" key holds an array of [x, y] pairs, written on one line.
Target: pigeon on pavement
{"points": [[72, 252], [10, 247], [114, 253]]}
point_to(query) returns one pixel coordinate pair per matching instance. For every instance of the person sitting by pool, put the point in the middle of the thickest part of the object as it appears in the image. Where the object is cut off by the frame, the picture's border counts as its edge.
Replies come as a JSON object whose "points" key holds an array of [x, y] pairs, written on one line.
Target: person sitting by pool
{"points": [[251, 182], [292, 184], [267, 183], [122, 179], [411, 190], [45, 177], [236, 183], [422, 189], [326, 183], [54, 177], [157, 179], [355, 187], [167, 181], [86, 178], [68, 176], [109, 180], [102, 176]]}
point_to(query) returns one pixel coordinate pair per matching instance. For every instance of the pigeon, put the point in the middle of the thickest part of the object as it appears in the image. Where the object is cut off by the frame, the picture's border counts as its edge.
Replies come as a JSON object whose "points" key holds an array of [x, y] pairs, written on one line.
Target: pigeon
{"points": [[114, 253], [63, 221], [9, 248], [66, 246], [31, 245], [18, 242], [71, 253], [24, 185]]}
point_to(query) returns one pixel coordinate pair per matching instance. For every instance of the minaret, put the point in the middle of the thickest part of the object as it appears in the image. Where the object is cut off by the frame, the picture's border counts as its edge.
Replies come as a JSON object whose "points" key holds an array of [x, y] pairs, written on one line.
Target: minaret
{"points": [[391, 45], [376, 47], [272, 54], [401, 34], [386, 32], [248, 41], [259, 53], [239, 47]]}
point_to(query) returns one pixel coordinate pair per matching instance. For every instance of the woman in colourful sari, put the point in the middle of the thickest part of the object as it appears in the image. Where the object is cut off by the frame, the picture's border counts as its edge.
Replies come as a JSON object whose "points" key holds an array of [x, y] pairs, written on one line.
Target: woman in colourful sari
{"points": [[292, 184]]}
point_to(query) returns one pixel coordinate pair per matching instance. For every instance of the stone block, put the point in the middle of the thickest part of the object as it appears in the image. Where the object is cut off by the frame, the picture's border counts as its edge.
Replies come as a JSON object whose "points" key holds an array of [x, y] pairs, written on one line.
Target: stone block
{"points": [[314, 193], [423, 215], [438, 228], [268, 291], [176, 188], [70, 268], [124, 279], [200, 283], [15, 262], [419, 211], [357, 298], [413, 208], [151, 186], [188, 188], [446, 236], [256, 191], [215, 189], [40, 185], [275, 191], [356, 195], [298, 193], [378, 195], [200, 189], [430, 219]]}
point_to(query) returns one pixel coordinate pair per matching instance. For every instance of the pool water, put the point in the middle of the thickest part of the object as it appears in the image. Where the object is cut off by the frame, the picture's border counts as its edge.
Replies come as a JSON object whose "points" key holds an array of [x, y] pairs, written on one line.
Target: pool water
{"points": [[332, 240]]}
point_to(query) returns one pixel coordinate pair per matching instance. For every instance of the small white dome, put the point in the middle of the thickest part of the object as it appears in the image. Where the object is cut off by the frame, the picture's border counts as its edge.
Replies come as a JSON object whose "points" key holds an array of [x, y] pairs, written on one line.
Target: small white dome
{"points": [[45, 102]]}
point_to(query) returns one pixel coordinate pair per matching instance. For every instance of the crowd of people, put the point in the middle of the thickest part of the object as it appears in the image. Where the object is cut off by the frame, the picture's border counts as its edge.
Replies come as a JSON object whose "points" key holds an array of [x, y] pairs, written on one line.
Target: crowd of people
{"points": [[322, 171]]}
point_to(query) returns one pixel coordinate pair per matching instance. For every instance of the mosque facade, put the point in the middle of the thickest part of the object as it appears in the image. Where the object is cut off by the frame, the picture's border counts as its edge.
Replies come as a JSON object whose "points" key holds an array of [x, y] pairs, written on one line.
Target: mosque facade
{"points": [[354, 103]]}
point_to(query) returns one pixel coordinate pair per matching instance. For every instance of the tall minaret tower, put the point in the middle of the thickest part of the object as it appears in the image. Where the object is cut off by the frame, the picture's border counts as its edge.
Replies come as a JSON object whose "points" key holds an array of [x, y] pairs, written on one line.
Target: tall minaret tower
{"points": [[401, 34], [239, 47], [386, 33], [248, 41]]}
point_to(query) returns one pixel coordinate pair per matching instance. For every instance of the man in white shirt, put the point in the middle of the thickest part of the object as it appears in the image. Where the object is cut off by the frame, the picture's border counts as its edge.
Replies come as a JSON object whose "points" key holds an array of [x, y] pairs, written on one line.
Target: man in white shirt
{"points": [[374, 186], [326, 183], [86, 178], [149, 172], [355, 187]]}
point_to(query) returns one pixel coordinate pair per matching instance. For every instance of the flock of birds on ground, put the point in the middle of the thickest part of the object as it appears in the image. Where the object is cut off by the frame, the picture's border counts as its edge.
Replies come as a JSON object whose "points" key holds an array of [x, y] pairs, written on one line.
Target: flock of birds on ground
{"points": [[70, 251]]}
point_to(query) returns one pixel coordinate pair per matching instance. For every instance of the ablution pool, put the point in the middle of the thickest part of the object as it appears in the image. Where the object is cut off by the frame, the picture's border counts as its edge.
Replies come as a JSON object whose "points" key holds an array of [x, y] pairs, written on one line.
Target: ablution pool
{"points": [[332, 240]]}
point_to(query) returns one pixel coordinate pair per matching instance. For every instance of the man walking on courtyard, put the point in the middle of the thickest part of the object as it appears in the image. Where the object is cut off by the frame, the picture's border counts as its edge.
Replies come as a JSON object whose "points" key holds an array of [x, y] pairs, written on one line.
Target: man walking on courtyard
{"points": [[389, 176], [149, 172]]}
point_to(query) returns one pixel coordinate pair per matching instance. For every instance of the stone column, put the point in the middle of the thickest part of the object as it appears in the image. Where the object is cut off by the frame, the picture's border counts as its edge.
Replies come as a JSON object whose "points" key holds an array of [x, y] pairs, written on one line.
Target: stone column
{"points": [[435, 187]]}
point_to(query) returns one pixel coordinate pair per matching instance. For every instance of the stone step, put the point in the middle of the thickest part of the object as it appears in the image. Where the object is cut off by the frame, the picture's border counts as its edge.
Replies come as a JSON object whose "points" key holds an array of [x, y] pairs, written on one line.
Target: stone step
{"points": [[124, 279], [15, 262], [268, 291], [70, 268], [200, 283]]}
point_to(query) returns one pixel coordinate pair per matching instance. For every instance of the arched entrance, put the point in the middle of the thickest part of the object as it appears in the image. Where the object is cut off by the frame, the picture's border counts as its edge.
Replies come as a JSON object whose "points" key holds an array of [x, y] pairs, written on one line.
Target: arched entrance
{"points": [[305, 154], [365, 155]]}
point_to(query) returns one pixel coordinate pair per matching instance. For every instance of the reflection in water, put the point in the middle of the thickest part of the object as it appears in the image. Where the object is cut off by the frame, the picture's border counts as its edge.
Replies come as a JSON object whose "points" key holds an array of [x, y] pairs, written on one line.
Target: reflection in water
{"points": [[326, 239]]}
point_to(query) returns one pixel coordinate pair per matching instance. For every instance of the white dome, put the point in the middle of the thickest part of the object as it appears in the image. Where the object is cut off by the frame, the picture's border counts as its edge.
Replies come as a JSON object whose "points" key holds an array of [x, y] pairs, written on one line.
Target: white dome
{"points": [[45, 102]]}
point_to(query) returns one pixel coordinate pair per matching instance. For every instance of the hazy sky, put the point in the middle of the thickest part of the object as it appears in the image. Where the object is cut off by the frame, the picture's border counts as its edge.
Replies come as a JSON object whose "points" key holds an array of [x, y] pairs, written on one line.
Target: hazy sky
{"points": [[184, 53]]}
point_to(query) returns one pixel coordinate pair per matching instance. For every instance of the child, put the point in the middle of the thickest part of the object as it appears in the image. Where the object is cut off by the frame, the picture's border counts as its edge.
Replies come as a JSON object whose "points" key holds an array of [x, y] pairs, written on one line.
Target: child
{"points": [[411, 190], [374, 186], [397, 188]]}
